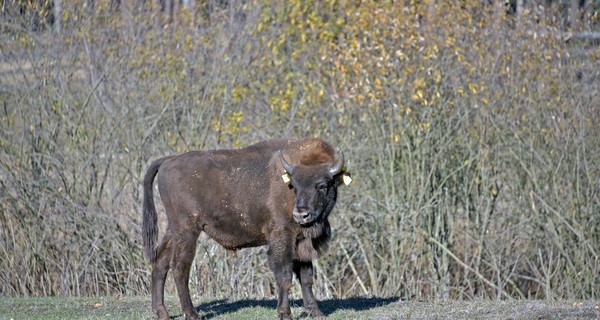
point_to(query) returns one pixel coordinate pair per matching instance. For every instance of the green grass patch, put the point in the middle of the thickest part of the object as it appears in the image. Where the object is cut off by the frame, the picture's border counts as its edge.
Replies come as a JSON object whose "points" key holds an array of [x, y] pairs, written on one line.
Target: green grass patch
{"points": [[138, 307]]}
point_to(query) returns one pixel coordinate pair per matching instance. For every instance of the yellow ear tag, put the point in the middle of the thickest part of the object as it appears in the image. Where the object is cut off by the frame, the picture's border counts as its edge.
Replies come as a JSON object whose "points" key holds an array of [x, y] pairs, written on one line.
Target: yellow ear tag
{"points": [[346, 178], [286, 177]]}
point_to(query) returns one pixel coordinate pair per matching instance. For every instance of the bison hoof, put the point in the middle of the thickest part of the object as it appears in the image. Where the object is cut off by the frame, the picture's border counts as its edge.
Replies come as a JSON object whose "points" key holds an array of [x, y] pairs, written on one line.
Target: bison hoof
{"points": [[315, 313], [285, 316], [193, 316], [162, 314]]}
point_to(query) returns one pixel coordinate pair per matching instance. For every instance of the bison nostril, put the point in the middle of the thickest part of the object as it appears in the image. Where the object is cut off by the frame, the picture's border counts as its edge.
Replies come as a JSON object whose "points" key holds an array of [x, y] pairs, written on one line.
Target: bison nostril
{"points": [[301, 213]]}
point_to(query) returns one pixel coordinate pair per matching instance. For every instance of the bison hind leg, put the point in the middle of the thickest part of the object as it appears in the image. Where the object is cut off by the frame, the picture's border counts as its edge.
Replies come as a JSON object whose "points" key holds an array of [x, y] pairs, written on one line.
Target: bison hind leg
{"points": [[183, 256], [160, 268]]}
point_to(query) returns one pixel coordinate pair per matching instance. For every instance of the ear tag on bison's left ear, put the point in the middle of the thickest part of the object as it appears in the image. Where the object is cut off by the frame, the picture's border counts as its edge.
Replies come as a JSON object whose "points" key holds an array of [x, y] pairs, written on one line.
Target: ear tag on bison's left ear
{"points": [[346, 178], [286, 178]]}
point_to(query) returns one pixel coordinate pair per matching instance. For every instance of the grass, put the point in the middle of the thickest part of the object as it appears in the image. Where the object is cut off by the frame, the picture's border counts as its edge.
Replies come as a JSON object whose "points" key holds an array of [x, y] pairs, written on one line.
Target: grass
{"points": [[138, 307]]}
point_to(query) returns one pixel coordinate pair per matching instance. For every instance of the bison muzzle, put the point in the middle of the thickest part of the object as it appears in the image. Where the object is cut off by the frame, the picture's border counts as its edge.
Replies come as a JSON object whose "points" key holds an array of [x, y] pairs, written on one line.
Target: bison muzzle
{"points": [[238, 198]]}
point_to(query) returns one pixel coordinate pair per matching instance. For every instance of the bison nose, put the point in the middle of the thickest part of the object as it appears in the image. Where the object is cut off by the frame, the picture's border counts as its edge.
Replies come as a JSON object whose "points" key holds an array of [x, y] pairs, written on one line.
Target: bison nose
{"points": [[301, 214]]}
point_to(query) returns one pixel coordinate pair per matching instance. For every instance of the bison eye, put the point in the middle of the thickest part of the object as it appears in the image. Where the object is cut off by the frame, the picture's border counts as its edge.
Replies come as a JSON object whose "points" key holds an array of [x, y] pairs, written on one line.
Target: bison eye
{"points": [[322, 187]]}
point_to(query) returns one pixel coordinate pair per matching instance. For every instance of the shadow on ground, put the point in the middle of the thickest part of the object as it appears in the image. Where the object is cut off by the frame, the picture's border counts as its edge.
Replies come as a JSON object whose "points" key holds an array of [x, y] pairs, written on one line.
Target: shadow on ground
{"points": [[224, 306]]}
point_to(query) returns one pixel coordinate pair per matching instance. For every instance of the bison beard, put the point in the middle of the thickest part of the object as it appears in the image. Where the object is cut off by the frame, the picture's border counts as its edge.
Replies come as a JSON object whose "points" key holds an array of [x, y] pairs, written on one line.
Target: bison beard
{"points": [[238, 199], [317, 229], [316, 239]]}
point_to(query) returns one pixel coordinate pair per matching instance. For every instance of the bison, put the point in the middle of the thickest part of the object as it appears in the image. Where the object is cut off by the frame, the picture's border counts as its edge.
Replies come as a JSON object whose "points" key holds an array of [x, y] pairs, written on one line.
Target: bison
{"points": [[241, 199]]}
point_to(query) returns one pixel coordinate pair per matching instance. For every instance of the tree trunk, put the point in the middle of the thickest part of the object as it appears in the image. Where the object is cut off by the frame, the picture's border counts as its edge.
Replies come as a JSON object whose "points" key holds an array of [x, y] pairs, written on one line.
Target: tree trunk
{"points": [[520, 10], [574, 16], [57, 13]]}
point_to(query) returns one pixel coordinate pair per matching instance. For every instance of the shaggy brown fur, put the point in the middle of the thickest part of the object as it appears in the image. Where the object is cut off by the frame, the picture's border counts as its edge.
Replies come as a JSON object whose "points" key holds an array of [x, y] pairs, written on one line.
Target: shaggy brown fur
{"points": [[240, 200]]}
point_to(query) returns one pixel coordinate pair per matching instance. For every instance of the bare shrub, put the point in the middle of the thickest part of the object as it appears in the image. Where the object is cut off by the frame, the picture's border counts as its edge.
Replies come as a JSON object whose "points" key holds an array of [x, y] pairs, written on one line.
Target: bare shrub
{"points": [[473, 143]]}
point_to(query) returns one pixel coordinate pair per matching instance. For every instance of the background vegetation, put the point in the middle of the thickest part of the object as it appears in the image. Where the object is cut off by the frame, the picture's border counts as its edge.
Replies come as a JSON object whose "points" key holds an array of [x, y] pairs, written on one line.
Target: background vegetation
{"points": [[472, 133]]}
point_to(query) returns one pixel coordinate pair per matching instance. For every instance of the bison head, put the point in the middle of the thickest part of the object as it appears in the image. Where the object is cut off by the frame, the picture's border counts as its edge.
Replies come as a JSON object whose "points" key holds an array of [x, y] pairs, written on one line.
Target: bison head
{"points": [[315, 187]]}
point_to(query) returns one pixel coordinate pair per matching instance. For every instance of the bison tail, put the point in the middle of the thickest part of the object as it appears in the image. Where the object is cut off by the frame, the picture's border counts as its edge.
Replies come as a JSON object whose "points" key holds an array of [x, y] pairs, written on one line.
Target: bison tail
{"points": [[149, 216]]}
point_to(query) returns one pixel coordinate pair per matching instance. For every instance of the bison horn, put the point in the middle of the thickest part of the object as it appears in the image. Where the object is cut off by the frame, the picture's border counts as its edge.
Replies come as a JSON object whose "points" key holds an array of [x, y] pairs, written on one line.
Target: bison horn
{"points": [[288, 167], [338, 166]]}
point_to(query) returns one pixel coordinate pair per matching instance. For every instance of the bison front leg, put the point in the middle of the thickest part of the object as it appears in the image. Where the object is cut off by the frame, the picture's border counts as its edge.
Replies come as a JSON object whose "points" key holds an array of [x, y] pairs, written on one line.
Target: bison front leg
{"points": [[280, 261], [304, 273]]}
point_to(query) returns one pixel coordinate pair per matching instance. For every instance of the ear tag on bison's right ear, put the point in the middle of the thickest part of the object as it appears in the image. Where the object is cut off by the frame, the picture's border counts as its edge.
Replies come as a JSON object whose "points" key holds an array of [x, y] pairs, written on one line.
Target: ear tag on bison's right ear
{"points": [[286, 178]]}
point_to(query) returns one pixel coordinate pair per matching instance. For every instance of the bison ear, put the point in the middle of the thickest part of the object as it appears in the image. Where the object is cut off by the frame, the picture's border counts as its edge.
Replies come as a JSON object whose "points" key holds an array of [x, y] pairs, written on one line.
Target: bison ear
{"points": [[343, 177]]}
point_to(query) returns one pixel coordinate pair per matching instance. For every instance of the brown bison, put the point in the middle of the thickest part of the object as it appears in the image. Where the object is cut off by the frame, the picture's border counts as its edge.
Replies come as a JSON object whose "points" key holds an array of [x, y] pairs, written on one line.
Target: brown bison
{"points": [[239, 199]]}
